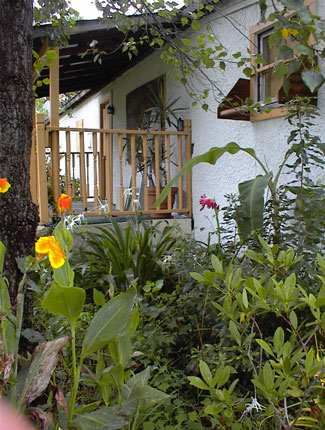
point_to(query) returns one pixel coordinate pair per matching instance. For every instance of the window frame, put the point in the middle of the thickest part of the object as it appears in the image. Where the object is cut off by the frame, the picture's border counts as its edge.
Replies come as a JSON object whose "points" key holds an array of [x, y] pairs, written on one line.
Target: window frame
{"points": [[254, 35]]}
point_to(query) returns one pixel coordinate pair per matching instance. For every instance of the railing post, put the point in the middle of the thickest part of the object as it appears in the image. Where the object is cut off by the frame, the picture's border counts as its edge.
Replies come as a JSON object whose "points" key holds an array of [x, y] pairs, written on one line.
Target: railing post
{"points": [[54, 122], [188, 150], [41, 170], [33, 167]]}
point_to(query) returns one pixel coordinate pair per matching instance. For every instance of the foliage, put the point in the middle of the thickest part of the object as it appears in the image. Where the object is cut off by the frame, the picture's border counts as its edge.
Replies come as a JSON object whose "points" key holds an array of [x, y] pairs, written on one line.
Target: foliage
{"points": [[188, 44], [119, 396], [305, 150], [119, 255], [272, 337]]}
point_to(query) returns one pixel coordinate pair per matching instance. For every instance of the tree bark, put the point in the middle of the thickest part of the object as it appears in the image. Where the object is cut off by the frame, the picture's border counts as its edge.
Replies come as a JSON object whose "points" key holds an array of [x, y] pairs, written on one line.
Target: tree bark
{"points": [[18, 215]]}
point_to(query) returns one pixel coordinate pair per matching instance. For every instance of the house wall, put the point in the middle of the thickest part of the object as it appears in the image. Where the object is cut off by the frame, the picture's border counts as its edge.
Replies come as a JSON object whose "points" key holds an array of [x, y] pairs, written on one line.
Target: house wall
{"points": [[267, 137]]}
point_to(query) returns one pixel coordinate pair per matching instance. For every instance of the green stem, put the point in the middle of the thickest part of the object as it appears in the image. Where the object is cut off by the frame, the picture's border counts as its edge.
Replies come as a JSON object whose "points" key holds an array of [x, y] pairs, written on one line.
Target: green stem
{"points": [[76, 375], [19, 322], [218, 230]]}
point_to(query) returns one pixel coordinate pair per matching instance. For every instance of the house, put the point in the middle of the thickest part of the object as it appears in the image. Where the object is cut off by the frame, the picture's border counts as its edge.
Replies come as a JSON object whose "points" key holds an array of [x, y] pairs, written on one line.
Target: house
{"points": [[114, 95]]}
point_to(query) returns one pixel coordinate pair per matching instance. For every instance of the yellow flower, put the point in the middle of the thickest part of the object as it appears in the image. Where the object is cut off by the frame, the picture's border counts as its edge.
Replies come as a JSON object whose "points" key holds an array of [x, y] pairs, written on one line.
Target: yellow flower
{"points": [[47, 245], [4, 185], [64, 203], [286, 31]]}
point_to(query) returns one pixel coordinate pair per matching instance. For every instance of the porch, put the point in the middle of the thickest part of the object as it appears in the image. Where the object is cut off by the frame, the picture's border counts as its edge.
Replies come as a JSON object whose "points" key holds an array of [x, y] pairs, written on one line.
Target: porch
{"points": [[109, 171]]}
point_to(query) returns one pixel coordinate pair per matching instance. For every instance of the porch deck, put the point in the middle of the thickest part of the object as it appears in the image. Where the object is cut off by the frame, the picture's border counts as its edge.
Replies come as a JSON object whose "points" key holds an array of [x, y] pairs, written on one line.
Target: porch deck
{"points": [[109, 171]]}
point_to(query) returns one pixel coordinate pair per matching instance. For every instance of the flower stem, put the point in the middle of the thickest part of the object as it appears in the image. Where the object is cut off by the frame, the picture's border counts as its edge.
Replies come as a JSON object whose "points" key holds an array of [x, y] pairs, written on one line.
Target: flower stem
{"points": [[76, 375], [19, 322], [218, 229]]}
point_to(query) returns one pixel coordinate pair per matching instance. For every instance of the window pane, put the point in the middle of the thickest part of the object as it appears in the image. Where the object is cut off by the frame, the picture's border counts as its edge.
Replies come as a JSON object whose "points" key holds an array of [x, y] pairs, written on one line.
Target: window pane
{"points": [[269, 54], [269, 85]]}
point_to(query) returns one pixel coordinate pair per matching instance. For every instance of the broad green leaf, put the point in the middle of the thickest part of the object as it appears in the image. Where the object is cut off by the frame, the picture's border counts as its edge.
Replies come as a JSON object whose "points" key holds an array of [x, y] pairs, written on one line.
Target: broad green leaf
{"points": [[111, 321], [211, 157], [198, 383], [121, 349], [205, 372], [99, 297], [312, 79], [265, 346], [64, 237], [64, 275], [67, 301], [250, 211], [103, 419], [114, 375]]}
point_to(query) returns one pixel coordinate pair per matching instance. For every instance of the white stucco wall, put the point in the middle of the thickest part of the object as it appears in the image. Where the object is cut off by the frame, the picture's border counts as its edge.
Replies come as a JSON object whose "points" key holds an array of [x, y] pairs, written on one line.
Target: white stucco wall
{"points": [[268, 137]]}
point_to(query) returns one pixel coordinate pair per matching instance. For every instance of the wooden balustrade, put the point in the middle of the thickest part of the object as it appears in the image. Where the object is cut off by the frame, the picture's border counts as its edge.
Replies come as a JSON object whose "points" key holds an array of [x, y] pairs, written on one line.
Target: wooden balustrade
{"points": [[110, 170]]}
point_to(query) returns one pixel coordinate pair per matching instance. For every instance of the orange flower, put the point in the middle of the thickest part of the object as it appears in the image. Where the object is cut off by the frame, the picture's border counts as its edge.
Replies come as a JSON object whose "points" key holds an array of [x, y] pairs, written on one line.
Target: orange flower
{"points": [[47, 245], [4, 185], [64, 203]]}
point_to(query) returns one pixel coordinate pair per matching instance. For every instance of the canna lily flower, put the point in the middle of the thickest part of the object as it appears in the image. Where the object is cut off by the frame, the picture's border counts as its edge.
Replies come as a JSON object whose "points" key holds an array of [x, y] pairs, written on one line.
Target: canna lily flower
{"points": [[47, 245], [64, 203], [207, 202], [4, 185]]}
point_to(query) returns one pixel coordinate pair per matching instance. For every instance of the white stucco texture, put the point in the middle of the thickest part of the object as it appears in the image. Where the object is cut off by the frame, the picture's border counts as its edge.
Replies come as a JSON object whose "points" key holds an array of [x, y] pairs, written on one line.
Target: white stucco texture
{"points": [[231, 24]]}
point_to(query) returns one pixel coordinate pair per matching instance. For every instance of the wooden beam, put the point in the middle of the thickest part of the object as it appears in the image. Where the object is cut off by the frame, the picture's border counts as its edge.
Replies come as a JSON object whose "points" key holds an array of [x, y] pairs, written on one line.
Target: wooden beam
{"points": [[41, 170], [54, 90]]}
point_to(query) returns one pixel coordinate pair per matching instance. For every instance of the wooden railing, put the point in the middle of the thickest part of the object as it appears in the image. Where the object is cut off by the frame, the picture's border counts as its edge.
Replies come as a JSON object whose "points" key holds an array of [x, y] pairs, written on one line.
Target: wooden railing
{"points": [[109, 171]]}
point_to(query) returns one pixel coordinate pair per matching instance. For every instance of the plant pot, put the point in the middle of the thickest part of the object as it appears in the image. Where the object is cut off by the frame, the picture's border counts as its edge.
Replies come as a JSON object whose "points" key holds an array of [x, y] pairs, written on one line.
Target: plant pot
{"points": [[152, 198]]}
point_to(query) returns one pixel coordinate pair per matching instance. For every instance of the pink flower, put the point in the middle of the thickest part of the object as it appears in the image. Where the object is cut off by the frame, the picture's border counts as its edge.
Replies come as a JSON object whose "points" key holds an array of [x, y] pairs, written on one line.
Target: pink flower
{"points": [[207, 202]]}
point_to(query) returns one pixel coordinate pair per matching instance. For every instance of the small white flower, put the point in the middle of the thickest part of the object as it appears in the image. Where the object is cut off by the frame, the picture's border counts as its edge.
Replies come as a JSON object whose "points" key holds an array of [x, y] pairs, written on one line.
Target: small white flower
{"points": [[73, 221], [102, 207], [254, 405]]}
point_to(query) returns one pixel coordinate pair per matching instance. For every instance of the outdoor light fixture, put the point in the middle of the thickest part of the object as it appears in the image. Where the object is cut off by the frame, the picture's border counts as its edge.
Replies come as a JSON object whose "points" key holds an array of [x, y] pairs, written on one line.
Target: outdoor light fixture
{"points": [[180, 124], [110, 109]]}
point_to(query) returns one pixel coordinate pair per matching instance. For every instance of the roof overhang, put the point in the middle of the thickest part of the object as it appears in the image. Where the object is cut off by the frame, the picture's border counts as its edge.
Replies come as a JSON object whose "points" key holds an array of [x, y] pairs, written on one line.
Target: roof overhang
{"points": [[79, 68]]}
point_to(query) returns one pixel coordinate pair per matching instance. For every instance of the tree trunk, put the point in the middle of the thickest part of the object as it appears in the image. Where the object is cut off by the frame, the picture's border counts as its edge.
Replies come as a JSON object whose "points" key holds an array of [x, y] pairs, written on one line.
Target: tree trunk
{"points": [[18, 215]]}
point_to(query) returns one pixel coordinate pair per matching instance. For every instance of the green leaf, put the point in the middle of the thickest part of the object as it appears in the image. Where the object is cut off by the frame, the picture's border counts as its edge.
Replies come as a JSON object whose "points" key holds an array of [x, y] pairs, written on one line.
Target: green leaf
{"points": [[235, 333], [99, 297], [211, 157], [102, 419], [278, 339], [214, 409], [293, 319], [309, 361], [250, 211], [64, 275], [205, 372], [64, 237], [67, 301], [51, 55], [4, 298], [312, 79], [221, 377], [198, 383], [2, 256], [268, 376], [265, 346], [195, 25], [245, 299], [111, 321], [184, 21]]}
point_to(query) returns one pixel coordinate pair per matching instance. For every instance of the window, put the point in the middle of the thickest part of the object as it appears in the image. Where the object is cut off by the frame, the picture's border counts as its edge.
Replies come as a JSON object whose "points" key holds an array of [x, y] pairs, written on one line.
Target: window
{"points": [[264, 84]]}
